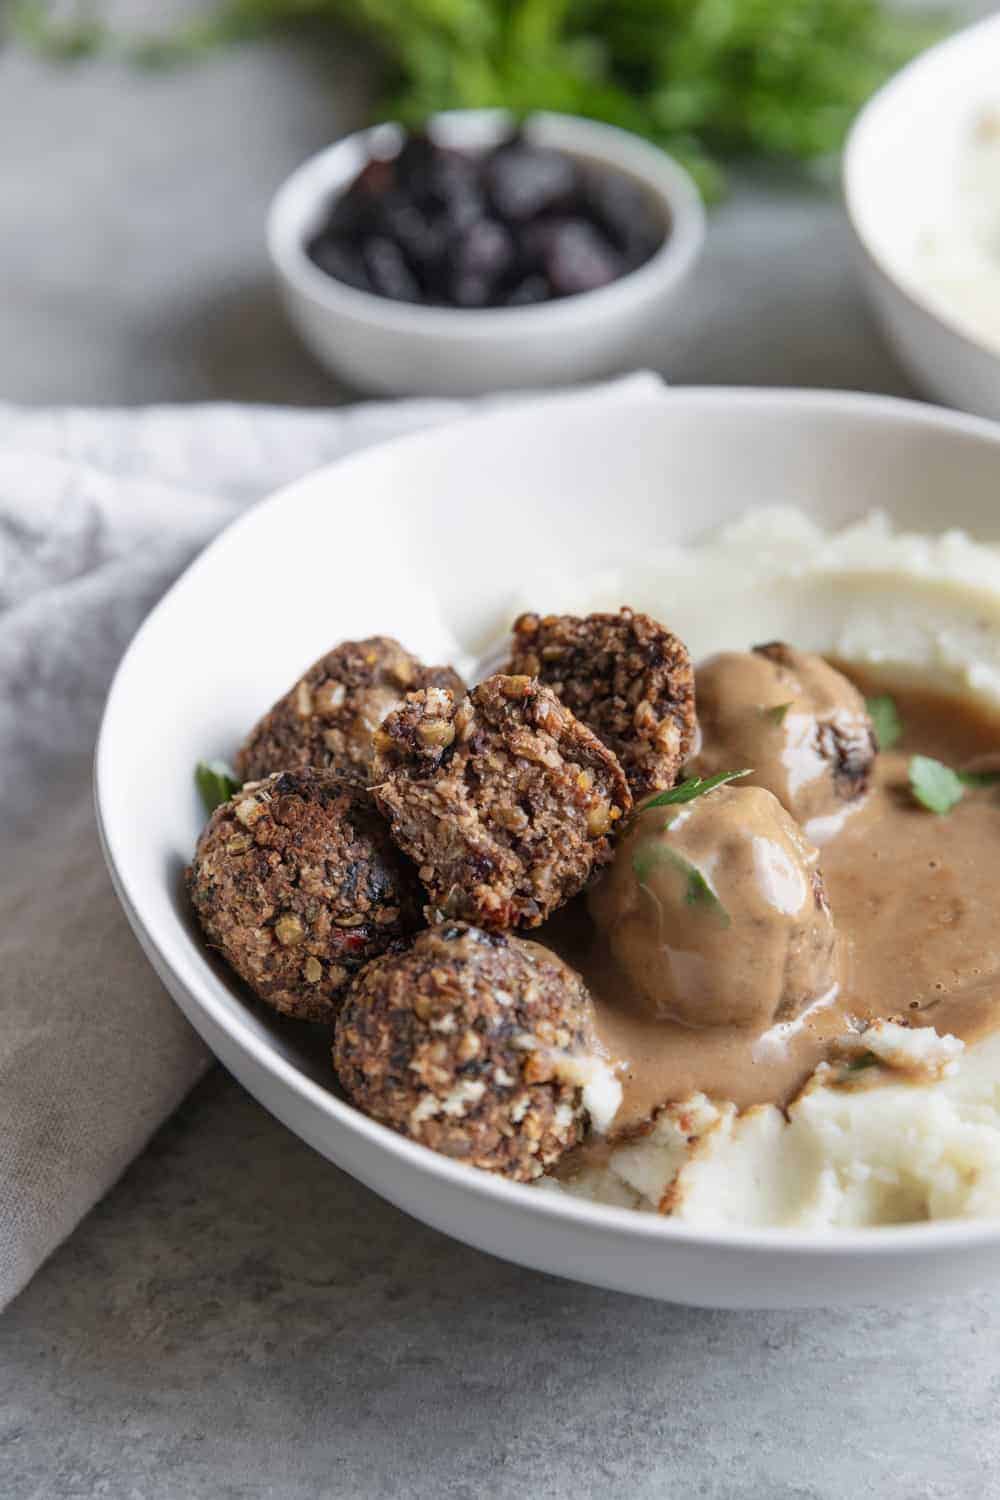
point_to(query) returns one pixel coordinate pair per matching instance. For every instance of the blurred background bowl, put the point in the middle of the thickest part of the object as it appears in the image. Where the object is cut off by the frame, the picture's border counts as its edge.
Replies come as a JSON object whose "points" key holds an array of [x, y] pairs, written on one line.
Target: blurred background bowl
{"points": [[376, 344], [902, 173]]}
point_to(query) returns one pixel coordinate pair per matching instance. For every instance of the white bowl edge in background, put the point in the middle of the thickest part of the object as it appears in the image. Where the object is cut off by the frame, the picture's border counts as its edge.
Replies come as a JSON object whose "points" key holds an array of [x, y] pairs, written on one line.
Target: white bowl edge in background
{"points": [[403, 348], [896, 157], [419, 538]]}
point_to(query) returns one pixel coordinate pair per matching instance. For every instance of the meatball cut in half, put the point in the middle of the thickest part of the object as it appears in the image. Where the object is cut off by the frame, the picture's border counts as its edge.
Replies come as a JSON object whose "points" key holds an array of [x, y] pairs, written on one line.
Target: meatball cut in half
{"points": [[328, 718], [504, 800], [626, 677], [477, 1044], [715, 911], [797, 721], [297, 883]]}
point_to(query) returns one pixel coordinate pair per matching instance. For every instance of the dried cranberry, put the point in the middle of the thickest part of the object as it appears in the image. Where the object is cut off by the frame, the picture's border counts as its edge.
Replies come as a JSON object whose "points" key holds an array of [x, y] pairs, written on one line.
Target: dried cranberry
{"points": [[507, 228], [623, 211], [523, 181], [340, 259], [532, 289], [388, 271], [580, 259]]}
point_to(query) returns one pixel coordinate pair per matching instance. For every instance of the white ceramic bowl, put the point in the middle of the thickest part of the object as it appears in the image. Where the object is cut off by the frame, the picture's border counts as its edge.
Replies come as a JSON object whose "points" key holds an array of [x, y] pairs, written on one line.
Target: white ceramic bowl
{"points": [[899, 171], [397, 348], [424, 538]]}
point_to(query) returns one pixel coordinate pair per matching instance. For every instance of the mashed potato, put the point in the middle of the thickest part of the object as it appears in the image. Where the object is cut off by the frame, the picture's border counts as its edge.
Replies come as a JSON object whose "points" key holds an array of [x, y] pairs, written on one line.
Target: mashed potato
{"points": [[914, 1132]]}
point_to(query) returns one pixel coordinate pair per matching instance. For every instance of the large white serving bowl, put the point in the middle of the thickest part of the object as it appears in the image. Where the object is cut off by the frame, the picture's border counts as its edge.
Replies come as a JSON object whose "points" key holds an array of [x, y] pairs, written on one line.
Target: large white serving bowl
{"points": [[400, 348], [426, 538], [899, 181]]}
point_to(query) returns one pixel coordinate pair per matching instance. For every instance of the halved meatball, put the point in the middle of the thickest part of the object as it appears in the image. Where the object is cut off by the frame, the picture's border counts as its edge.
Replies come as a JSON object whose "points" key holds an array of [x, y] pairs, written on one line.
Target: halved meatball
{"points": [[476, 1044], [793, 719], [328, 717], [504, 800], [297, 883], [626, 676]]}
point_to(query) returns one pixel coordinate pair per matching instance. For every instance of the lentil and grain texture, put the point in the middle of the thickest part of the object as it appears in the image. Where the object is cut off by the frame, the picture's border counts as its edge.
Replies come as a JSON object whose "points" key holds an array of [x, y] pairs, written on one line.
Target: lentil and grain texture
{"points": [[626, 676], [504, 800], [297, 883], [329, 716], [470, 1042]]}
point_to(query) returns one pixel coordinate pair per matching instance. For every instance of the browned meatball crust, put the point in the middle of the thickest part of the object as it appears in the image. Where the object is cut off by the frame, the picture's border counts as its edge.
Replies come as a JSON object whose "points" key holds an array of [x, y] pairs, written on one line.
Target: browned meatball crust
{"points": [[328, 718], [465, 1042], [627, 677], [504, 800], [298, 884]]}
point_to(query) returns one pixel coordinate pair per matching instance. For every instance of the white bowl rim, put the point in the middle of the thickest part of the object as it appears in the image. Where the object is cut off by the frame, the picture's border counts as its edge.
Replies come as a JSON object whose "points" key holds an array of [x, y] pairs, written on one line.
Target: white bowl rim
{"points": [[864, 126], [660, 174], [882, 1240]]}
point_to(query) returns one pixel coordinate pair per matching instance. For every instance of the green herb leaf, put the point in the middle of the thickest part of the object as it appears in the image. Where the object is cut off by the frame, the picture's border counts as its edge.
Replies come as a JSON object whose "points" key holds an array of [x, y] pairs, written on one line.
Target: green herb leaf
{"points": [[704, 80], [216, 783], [885, 719], [694, 786], [979, 778], [935, 786], [697, 891], [777, 713], [858, 1065]]}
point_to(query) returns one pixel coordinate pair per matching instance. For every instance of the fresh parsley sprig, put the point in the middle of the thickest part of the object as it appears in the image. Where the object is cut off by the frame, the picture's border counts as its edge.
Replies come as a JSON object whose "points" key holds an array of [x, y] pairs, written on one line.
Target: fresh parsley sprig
{"points": [[697, 891], [938, 788], [694, 786], [216, 781], [708, 79], [885, 719]]}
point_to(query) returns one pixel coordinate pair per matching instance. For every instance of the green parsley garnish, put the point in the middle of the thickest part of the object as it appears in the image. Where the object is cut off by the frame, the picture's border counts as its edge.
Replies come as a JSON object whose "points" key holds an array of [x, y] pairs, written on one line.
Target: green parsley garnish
{"points": [[704, 80], [697, 891], [979, 778], [858, 1065], [935, 786], [216, 783], [777, 713], [694, 786], [885, 719]]}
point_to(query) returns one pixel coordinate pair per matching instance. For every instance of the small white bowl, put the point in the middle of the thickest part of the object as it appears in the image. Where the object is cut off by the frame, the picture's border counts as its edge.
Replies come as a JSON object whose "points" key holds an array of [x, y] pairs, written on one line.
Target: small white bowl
{"points": [[899, 172], [403, 348], [426, 538]]}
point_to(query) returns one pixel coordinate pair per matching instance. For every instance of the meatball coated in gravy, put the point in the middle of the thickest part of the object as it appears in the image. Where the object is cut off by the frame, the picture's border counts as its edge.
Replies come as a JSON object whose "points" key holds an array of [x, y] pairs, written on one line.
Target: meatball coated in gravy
{"points": [[297, 884], [797, 721], [715, 912], [471, 1043], [328, 718], [628, 679], [504, 800]]}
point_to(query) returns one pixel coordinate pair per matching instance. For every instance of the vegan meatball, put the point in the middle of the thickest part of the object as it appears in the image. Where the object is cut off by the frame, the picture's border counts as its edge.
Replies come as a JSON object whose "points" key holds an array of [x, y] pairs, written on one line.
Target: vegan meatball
{"points": [[298, 884], [797, 721], [716, 912], [477, 1044], [328, 718], [626, 677], [504, 800]]}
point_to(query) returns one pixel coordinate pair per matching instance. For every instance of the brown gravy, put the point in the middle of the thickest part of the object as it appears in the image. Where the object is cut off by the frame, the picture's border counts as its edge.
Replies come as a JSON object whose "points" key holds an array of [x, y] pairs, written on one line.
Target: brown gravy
{"points": [[916, 901]]}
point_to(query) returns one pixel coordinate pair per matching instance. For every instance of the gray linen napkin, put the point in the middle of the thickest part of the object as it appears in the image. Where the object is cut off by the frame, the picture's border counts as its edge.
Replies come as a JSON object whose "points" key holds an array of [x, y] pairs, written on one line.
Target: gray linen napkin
{"points": [[99, 511]]}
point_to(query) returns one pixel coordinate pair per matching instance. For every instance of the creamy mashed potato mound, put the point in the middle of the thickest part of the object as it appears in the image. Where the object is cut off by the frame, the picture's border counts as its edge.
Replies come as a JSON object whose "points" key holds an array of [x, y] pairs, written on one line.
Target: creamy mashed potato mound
{"points": [[905, 1125]]}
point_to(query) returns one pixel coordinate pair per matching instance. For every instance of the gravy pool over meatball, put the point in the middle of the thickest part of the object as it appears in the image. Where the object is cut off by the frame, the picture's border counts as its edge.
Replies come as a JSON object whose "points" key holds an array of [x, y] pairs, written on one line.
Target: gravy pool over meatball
{"points": [[797, 721], [912, 903]]}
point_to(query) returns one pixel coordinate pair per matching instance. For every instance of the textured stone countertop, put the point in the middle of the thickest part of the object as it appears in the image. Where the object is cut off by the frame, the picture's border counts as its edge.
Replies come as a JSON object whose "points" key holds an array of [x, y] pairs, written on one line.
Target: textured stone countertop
{"points": [[238, 1318]]}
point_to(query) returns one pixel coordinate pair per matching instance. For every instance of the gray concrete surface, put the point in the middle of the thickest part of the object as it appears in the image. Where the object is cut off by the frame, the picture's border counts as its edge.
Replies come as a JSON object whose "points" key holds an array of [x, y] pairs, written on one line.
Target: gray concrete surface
{"points": [[238, 1319]]}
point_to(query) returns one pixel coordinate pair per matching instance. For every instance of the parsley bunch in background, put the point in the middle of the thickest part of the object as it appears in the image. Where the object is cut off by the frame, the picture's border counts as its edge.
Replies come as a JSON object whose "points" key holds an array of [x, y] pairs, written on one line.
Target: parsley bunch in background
{"points": [[707, 79]]}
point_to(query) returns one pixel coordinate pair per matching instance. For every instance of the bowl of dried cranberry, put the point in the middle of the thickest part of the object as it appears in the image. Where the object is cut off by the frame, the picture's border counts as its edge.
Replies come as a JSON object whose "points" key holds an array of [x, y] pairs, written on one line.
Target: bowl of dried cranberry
{"points": [[477, 256]]}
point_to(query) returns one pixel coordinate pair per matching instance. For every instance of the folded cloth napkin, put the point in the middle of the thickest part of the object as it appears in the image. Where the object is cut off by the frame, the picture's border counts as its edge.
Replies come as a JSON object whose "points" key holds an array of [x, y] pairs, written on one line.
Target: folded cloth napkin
{"points": [[99, 511]]}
